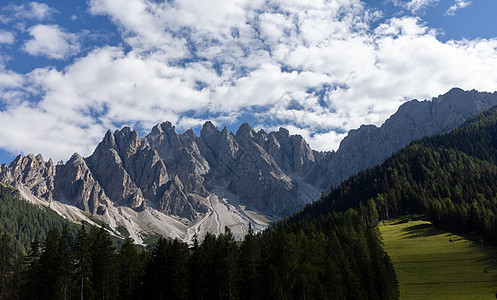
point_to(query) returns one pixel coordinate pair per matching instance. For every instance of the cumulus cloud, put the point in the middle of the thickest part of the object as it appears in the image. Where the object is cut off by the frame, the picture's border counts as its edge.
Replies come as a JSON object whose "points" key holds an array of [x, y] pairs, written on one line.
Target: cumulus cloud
{"points": [[33, 11], [416, 6], [29, 129], [319, 68], [458, 4], [51, 41], [6, 37], [9, 82]]}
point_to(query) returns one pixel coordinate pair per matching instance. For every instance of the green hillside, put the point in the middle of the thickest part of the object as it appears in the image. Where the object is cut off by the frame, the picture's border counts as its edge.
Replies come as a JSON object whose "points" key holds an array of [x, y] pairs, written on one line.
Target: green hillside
{"points": [[451, 179], [23, 221], [429, 266]]}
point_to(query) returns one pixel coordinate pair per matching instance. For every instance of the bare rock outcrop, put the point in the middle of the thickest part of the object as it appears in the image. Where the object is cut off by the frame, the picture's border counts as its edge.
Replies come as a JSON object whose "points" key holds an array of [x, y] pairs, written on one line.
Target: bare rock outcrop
{"points": [[74, 184], [175, 200], [32, 172]]}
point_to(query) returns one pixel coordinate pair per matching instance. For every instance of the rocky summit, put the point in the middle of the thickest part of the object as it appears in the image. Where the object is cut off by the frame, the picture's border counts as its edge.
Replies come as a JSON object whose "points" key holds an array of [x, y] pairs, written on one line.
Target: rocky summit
{"points": [[182, 185]]}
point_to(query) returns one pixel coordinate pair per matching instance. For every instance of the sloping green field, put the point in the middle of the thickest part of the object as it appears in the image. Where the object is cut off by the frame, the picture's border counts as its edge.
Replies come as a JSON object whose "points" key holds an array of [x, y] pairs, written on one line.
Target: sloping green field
{"points": [[429, 266]]}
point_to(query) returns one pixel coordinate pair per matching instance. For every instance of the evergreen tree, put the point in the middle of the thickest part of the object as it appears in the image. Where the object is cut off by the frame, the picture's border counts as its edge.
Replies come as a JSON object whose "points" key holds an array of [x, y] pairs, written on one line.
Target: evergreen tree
{"points": [[208, 265], [83, 263], [130, 271], [167, 271], [251, 267], [31, 276], [6, 266], [104, 271], [226, 259], [51, 267], [195, 271], [65, 283]]}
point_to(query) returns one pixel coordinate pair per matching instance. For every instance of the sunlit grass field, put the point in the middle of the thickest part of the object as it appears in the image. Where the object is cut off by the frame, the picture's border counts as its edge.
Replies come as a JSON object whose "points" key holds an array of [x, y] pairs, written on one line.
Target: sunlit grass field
{"points": [[429, 266]]}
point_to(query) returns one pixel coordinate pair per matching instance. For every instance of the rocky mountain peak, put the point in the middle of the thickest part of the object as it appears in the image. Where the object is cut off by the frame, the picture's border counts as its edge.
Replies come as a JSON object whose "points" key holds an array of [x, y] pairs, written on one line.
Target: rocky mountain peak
{"points": [[127, 141], [455, 92], [284, 132], [190, 135], [166, 135], [163, 128], [217, 146], [167, 126], [33, 173], [76, 159], [245, 131], [74, 183], [208, 129], [261, 137], [108, 141]]}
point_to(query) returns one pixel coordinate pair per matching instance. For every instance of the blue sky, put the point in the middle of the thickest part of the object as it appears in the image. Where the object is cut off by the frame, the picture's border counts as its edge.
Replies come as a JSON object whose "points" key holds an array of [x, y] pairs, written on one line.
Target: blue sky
{"points": [[70, 70]]}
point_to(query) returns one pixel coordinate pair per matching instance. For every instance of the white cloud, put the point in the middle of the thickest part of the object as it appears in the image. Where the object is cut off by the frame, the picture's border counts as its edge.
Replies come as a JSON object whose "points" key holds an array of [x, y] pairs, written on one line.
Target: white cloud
{"points": [[38, 11], [458, 4], [33, 11], [319, 141], [6, 37], [416, 6], [10, 83], [316, 67], [51, 41], [28, 129]]}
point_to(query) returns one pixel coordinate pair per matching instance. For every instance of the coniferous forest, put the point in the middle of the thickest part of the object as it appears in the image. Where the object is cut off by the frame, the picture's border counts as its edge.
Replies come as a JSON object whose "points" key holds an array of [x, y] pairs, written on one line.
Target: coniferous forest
{"points": [[24, 221], [451, 179], [333, 257]]}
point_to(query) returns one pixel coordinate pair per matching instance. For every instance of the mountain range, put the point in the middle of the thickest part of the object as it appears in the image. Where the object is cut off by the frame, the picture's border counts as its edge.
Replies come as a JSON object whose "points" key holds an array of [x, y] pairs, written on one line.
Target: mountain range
{"points": [[182, 185]]}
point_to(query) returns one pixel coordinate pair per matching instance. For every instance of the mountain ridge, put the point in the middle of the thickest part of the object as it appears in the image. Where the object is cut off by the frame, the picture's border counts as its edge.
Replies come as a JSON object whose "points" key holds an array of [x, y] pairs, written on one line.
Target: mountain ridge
{"points": [[219, 178], [449, 178]]}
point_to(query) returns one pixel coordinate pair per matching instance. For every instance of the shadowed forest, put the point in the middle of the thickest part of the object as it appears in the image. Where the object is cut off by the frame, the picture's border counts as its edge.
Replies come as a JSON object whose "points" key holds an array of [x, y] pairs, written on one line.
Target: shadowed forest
{"points": [[336, 257]]}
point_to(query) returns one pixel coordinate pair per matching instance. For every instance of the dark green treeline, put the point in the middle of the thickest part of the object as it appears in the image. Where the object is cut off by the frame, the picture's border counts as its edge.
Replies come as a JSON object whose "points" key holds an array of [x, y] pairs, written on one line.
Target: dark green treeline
{"points": [[336, 257], [451, 179]]}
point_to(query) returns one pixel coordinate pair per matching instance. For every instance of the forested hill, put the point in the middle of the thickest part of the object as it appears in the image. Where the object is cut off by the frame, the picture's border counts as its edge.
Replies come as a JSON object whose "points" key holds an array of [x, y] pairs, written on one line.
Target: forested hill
{"points": [[23, 222], [451, 178]]}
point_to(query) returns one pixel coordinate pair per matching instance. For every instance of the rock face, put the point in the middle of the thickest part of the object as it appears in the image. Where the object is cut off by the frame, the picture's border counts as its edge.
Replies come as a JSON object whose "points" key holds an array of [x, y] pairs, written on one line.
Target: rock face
{"points": [[33, 172], [240, 164], [222, 179], [75, 184]]}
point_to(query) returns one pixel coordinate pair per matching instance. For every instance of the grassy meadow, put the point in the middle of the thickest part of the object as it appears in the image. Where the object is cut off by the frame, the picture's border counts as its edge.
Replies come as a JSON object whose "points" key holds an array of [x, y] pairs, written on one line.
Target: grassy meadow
{"points": [[429, 266]]}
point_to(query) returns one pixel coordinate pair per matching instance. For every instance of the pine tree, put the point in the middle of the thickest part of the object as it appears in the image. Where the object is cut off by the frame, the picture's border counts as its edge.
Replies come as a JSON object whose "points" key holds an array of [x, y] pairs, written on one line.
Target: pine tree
{"points": [[167, 270], [31, 276], [195, 271], [130, 270], [83, 263], [226, 258], [103, 265], [251, 267], [6, 266], [50, 266], [66, 264]]}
